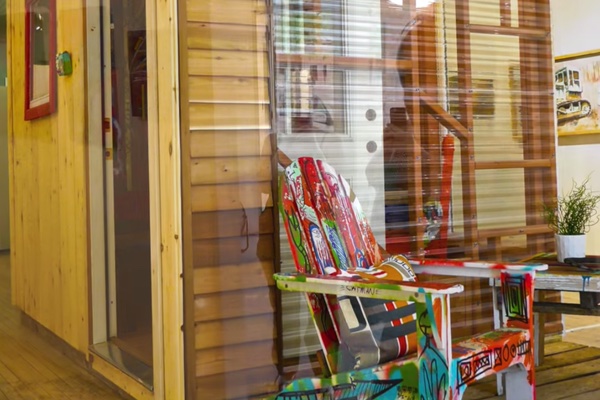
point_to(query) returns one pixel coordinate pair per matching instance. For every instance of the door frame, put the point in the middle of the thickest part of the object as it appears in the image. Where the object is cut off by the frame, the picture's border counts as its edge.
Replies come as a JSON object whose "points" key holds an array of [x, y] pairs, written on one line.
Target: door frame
{"points": [[165, 193]]}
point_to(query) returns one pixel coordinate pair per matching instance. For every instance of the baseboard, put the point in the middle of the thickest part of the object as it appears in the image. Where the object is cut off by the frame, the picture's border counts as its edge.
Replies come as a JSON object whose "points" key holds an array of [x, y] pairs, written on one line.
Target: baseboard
{"points": [[54, 340], [70, 352]]}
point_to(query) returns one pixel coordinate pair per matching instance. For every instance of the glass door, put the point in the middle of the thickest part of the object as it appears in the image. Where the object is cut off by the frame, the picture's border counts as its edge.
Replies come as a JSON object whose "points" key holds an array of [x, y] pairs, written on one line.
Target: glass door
{"points": [[123, 333]]}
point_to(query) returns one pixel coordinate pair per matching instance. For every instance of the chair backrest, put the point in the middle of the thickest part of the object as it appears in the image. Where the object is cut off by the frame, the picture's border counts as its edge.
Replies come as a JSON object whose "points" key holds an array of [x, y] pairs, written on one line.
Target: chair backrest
{"points": [[329, 234]]}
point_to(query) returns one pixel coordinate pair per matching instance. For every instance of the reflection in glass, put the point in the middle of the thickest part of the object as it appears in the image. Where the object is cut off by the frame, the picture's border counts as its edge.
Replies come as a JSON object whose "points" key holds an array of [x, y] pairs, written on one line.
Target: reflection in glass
{"points": [[40, 40]]}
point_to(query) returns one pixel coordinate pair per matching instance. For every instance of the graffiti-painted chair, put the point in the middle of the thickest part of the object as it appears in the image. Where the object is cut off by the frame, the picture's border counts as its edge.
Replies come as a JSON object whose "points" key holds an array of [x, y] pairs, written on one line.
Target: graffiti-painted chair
{"points": [[383, 334]]}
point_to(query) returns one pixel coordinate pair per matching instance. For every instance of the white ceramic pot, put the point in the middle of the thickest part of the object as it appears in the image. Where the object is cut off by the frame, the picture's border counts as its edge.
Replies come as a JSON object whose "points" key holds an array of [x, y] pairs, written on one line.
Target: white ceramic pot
{"points": [[569, 246]]}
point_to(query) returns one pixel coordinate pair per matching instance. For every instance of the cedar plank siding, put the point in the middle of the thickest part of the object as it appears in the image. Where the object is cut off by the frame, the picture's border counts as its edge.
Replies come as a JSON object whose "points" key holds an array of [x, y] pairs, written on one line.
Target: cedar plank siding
{"points": [[228, 186], [48, 187]]}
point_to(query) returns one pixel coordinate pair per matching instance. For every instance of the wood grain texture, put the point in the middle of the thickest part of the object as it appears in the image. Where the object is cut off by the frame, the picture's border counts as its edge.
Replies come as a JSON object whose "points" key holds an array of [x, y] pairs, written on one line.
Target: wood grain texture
{"points": [[569, 371], [235, 358], [186, 209], [231, 197], [230, 331], [241, 303], [239, 384], [228, 63], [210, 171], [247, 12], [227, 143], [235, 250], [228, 187], [202, 35], [31, 368], [49, 188], [168, 251], [226, 89], [223, 224], [233, 277], [229, 116], [154, 172]]}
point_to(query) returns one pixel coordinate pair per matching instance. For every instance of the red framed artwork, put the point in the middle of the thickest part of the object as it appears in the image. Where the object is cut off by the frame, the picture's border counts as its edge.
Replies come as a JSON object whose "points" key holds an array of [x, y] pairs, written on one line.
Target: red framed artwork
{"points": [[40, 47]]}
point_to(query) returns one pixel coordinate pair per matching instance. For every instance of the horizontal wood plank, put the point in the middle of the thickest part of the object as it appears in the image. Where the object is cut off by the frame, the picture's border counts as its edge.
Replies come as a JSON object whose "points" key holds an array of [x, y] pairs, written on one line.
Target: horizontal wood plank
{"points": [[235, 331], [241, 303], [228, 63], [238, 384], [235, 250], [225, 143], [235, 358], [564, 308], [228, 89], [212, 171], [562, 359], [249, 12], [223, 224], [541, 163], [202, 35], [231, 197], [344, 62], [224, 278], [229, 116]]}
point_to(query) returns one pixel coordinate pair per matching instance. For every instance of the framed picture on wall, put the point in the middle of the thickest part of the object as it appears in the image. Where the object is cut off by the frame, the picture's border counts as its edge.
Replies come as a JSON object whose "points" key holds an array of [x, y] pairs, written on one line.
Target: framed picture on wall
{"points": [[482, 97], [577, 93]]}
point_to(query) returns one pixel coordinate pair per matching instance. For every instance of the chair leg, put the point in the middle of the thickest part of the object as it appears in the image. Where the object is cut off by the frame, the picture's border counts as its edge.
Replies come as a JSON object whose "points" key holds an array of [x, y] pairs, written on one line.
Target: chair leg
{"points": [[517, 385], [500, 383]]}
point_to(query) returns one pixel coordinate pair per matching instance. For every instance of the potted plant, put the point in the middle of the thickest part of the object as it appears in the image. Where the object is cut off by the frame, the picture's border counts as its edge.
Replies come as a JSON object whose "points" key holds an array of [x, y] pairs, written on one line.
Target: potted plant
{"points": [[571, 217]]}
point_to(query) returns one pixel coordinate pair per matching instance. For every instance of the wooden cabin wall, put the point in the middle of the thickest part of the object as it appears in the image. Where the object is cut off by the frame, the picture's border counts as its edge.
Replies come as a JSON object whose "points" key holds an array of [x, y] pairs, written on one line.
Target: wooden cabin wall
{"points": [[227, 182], [48, 193]]}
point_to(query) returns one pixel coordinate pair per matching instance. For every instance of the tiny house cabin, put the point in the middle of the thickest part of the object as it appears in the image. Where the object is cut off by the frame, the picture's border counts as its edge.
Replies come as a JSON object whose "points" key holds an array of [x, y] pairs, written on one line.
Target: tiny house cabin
{"points": [[146, 138]]}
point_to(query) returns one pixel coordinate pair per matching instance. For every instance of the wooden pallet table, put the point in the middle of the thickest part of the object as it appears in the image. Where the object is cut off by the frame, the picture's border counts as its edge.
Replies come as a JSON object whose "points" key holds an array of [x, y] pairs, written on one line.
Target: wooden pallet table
{"points": [[565, 278]]}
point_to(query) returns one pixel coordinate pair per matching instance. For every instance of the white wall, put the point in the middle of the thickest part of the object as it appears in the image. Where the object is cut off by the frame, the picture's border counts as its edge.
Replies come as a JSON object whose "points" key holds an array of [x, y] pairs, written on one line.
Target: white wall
{"points": [[575, 29]]}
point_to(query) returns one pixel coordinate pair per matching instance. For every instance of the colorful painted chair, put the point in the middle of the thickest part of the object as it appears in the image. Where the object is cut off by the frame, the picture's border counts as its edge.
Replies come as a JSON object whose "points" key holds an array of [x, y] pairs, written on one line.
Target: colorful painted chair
{"points": [[385, 335]]}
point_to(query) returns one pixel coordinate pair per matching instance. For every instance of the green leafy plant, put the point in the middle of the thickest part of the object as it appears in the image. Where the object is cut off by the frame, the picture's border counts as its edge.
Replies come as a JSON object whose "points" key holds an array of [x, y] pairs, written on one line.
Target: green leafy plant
{"points": [[574, 213]]}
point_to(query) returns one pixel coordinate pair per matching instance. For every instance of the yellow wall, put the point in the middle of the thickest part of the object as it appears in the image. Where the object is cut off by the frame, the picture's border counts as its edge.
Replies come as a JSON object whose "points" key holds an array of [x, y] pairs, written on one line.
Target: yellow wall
{"points": [[48, 167]]}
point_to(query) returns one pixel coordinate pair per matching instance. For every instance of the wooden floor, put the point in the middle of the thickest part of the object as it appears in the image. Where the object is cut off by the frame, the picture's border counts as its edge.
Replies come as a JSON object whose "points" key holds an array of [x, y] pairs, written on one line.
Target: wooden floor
{"points": [[30, 368], [569, 371]]}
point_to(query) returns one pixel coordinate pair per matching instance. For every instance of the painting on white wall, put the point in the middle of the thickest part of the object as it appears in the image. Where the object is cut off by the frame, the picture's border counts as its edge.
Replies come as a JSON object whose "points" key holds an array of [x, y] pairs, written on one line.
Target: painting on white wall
{"points": [[577, 93]]}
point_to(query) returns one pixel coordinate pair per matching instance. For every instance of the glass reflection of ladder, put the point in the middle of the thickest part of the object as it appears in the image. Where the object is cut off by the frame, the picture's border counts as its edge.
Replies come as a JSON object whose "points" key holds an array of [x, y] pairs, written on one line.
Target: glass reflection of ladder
{"points": [[530, 24]]}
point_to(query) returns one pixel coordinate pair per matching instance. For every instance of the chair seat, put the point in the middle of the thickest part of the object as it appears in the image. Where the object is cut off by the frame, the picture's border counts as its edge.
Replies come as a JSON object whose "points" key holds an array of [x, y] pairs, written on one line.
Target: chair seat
{"points": [[489, 353]]}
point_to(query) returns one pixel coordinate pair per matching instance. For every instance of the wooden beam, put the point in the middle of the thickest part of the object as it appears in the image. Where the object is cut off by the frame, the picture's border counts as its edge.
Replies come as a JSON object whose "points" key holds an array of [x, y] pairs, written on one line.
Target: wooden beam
{"points": [[528, 33], [227, 224], [345, 63], [223, 278], [564, 308], [223, 360], [505, 13], [443, 117], [239, 384], [239, 303], [523, 230], [224, 332], [165, 199], [540, 163], [243, 12], [467, 148]]}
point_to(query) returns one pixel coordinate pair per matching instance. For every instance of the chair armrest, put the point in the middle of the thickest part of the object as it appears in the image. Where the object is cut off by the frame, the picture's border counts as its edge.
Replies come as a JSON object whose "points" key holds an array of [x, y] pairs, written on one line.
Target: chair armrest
{"points": [[476, 269], [359, 287]]}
